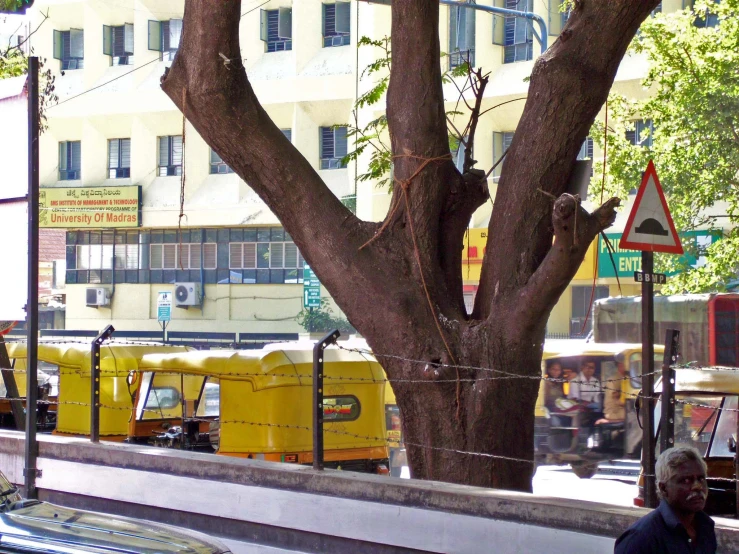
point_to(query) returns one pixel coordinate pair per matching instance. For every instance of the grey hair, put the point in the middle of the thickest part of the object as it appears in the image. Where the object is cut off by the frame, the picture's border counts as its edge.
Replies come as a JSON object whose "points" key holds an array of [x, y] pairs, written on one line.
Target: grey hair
{"points": [[671, 458]]}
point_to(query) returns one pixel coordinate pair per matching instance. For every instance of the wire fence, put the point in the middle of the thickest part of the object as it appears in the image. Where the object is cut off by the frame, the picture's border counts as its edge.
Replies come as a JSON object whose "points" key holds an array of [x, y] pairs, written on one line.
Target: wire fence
{"points": [[305, 379]]}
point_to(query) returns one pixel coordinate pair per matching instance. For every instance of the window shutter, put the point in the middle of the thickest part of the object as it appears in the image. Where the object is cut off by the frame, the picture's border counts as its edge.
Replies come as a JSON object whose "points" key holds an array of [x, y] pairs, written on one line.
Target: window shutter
{"points": [[453, 28], [128, 38], [343, 17], [113, 154], [340, 146], [499, 25], [107, 40], [155, 256], [288, 134], [291, 255], [175, 33], [62, 156], [326, 139], [236, 255], [163, 151], [285, 23], [469, 30], [119, 41], [107, 254], [276, 255], [176, 150], [194, 256], [125, 146], [76, 155], [497, 152], [327, 21], [57, 45], [263, 24], [155, 35], [76, 43], [555, 17], [250, 255], [169, 256], [209, 256]]}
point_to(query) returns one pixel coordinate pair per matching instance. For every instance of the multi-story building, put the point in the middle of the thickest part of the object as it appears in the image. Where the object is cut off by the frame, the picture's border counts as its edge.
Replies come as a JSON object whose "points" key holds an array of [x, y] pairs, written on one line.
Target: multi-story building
{"points": [[163, 208]]}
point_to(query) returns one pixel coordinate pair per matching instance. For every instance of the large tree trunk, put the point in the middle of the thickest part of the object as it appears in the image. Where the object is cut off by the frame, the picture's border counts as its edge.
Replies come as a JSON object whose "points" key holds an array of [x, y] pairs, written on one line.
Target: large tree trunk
{"points": [[466, 385]]}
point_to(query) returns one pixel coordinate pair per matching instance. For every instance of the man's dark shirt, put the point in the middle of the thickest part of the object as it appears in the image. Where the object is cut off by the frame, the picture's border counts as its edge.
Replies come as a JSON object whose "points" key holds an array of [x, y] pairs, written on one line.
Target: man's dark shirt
{"points": [[661, 531]]}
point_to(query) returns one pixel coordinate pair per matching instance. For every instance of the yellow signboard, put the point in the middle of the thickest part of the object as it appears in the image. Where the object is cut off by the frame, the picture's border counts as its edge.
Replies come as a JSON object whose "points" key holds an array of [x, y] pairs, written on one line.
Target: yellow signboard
{"points": [[90, 207]]}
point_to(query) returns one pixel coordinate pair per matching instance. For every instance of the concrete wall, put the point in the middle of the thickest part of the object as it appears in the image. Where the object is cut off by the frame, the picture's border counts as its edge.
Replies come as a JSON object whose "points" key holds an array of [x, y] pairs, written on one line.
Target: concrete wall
{"points": [[295, 507]]}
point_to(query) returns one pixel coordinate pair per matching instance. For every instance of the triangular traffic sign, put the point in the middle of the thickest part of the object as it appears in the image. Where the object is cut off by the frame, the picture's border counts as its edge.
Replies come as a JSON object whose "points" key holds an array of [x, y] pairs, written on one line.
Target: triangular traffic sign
{"points": [[650, 225]]}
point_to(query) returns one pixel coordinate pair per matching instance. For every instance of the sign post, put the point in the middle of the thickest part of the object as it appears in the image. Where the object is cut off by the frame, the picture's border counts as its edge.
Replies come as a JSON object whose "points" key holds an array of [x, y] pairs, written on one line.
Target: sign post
{"points": [[311, 289], [650, 229], [164, 312]]}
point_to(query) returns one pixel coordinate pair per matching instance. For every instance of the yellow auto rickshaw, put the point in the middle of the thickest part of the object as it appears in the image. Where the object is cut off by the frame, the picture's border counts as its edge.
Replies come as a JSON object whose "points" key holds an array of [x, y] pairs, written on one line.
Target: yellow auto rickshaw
{"points": [[69, 366], [582, 424], [48, 386], [706, 403], [265, 403]]}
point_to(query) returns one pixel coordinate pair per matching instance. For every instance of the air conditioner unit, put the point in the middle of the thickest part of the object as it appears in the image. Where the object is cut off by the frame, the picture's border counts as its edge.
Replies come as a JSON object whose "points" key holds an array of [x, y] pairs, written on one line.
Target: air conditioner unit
{"points": [[187, 294], [97, 296]]}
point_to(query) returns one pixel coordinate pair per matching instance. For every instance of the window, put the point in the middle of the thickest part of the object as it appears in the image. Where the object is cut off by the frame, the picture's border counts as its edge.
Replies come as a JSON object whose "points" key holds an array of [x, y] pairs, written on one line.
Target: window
{"points": [[458, 152], [461, 35], [270, 257], [170, 156], [118, 44], [586, 150], [217, 165], [182, 256], [501, 143], [657, 10], [209, 403], [119, 158], [111, 252], [288, 134], [515, 34], [70, 160], [336, 25], [582, 305], [706, 19], [164, 37], [557, 18], [642, 133], [69, 48], [276, 29], [333, 147]]}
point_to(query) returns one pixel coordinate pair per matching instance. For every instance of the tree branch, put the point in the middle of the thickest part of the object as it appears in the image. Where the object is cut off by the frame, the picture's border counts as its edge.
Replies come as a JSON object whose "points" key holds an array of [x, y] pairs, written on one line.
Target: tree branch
{"points": [[574, 231], [569, 84]]}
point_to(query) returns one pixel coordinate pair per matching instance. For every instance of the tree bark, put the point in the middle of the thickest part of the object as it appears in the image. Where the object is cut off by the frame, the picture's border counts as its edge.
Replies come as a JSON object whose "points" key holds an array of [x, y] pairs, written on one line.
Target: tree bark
{"points": [[466, 384]]}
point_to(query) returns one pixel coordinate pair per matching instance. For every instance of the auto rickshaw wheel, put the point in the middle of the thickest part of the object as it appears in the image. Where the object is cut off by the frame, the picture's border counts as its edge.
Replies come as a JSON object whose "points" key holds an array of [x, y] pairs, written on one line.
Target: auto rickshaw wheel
{"points": [[584, 470]]}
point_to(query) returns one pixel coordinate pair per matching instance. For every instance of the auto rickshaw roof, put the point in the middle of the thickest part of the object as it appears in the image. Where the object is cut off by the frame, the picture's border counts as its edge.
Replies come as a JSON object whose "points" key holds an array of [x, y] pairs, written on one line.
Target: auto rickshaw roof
{"points": [[269, 367], [717, 380], [560, 349], [116, 359]]}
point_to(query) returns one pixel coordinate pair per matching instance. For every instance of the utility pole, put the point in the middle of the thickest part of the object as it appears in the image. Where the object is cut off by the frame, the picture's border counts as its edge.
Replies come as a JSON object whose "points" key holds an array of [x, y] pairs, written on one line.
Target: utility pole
{"points": [[30, 472]]}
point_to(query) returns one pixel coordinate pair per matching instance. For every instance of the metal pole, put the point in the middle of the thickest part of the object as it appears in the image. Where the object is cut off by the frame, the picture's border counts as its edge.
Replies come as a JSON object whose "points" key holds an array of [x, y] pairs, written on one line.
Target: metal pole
{"points": [[11, 387], [648, 443], [318, 349], [542, 37], [95, 382], [667, 419], [31, 451]]}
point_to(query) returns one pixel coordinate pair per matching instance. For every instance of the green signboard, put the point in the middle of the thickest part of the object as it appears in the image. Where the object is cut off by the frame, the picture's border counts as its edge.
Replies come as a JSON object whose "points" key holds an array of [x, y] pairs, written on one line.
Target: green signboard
{"points": [[628, 261], [311, 289]]}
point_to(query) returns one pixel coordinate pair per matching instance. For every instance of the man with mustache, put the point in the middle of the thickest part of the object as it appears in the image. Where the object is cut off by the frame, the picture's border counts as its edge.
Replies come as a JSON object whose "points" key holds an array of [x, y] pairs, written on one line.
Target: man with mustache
{"points": [[679, 525]]}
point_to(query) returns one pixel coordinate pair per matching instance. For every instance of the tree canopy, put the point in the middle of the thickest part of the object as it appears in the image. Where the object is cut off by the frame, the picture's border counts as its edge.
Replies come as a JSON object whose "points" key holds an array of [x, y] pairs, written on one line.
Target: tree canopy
{"points": [[693, 138]]}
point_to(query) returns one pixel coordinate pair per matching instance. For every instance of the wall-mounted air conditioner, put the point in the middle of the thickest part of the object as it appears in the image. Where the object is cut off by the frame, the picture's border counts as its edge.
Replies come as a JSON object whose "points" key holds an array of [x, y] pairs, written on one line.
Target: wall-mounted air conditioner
{"points": [[97, 296], [187, 294]]}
